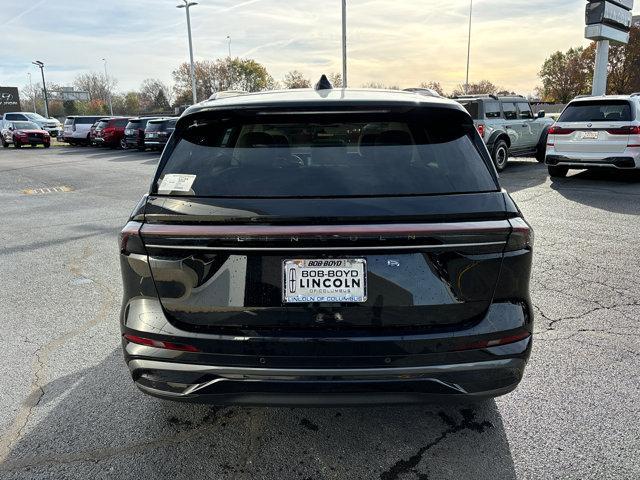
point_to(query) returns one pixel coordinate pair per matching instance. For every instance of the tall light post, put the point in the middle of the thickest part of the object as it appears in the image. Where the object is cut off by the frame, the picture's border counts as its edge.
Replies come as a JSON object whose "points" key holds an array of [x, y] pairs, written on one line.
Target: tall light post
{"points": [[40, 65], [187, 5], [229, 39], [466, 85], [344, 43], [106, 78], [32, 92]]}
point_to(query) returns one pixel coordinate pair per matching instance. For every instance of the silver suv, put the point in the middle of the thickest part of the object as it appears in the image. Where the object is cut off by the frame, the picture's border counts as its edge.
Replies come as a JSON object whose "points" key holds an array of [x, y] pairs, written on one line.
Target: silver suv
{"points": [[508, 126]]}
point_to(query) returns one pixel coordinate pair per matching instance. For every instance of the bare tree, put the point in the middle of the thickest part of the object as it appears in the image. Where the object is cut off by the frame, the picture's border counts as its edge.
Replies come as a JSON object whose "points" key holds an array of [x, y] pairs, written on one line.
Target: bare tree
{"points": [[296, 79]]}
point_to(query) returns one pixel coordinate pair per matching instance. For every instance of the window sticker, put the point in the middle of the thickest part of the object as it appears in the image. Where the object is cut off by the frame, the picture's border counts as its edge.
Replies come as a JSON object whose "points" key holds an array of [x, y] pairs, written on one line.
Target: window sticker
{"points": [[173, 182]]}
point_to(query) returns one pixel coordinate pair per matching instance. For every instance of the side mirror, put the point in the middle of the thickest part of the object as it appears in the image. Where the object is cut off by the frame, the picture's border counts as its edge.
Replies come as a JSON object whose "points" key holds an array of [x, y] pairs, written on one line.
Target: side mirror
{"points": [[541, 114]]}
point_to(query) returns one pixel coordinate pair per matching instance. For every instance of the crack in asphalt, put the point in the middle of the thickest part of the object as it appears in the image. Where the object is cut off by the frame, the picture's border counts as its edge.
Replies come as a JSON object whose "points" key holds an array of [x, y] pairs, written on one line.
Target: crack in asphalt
{"points": [[17, 427], [402, 467]]}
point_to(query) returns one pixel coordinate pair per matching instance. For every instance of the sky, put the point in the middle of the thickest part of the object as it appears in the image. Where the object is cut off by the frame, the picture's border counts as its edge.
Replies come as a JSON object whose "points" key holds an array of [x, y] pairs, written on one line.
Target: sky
{"points": [[404, 42]]}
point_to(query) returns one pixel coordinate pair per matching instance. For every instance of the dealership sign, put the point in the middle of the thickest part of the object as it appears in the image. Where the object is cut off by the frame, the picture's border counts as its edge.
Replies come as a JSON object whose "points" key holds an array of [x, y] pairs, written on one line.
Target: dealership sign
{"points": [[9, 100], [609, 20]]}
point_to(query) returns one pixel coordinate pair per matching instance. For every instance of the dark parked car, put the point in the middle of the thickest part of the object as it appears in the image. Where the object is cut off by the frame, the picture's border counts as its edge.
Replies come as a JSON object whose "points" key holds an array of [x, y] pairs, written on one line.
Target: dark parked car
{"points": [[134, 133], [158, 131], [332, 247], [110, 132]]}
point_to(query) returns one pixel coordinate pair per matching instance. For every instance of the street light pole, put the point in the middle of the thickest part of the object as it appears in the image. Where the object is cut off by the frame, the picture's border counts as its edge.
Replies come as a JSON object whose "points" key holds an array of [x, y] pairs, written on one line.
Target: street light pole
{"points": [[40, 65], [106, 77], [32, 92], [187, 5], [229, 38], [466, 85], [344, 43]]}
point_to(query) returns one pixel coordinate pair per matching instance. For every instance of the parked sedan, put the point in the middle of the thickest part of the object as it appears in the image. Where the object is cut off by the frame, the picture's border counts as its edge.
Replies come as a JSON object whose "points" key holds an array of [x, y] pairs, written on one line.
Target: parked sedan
{"points": [[110, 132], [24, 133], [596, 132], [158, 131], [353, 247]]}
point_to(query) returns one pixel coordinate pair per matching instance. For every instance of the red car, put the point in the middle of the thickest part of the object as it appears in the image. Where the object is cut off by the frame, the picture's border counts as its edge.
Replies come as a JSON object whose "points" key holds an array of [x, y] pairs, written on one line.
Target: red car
{"points": [[110, 132], [24, 133]]}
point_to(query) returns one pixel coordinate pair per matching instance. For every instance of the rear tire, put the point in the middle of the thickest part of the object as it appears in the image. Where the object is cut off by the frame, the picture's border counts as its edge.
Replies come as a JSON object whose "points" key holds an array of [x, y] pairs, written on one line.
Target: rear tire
{"points": [[47, 145], [4, 143], [557, 171], [541, 150], [17, 144], [500, 155], [123, 144]]}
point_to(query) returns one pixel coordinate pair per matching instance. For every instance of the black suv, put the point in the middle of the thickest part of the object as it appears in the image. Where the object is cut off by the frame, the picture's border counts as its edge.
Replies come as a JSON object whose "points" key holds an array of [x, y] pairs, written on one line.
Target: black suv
{"points": [[326, 247], [158, 131], [134, 133]]}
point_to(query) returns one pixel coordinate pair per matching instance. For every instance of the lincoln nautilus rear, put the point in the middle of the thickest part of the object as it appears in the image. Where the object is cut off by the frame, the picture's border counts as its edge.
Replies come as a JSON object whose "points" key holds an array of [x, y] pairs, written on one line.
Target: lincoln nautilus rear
{"points": [[326, 247]]}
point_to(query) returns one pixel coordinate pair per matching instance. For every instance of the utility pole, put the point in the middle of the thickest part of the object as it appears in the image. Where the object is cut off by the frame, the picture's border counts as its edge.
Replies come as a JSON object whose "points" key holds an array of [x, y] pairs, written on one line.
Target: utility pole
{"points": [[106, 78], [40, 65], [466, 85], [229, 38], [187, 5], [344, 43]]}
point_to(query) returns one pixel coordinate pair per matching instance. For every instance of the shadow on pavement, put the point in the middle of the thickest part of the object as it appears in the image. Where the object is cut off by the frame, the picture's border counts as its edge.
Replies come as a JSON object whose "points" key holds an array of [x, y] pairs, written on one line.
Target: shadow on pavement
{"points": [[95, 424], [615, 191], [521, 174]]}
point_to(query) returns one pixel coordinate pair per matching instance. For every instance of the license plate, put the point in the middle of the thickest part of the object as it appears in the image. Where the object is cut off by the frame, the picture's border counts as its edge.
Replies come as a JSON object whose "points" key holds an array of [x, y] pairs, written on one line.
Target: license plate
{"points": [[589, 135], [325, 280], [152, 135], [128, 132]]}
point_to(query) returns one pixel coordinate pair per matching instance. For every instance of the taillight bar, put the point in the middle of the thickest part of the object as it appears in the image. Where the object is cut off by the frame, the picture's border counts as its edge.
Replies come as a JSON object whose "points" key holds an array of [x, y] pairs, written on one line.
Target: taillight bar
{"points": [[262, 231], [630, 130], [561, 131], [130, 240], [521, 237], [481, 130]]}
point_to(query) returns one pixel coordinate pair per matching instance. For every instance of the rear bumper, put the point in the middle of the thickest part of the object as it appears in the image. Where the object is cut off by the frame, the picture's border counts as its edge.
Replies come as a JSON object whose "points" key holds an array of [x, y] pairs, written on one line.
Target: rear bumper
{"points": [[627, 160], [293, 368], [322, 387]]}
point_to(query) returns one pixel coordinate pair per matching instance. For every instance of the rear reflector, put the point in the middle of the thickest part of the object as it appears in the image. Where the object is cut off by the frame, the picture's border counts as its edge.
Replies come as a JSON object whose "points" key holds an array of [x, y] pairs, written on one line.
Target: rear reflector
{"points": [[494, 342], [160, 344]]}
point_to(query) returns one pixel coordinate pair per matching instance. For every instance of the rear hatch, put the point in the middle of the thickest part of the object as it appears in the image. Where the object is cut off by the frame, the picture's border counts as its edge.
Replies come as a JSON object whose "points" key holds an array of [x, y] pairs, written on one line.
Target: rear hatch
{"points": [[593, 126], [374, 220], [135, 129]]}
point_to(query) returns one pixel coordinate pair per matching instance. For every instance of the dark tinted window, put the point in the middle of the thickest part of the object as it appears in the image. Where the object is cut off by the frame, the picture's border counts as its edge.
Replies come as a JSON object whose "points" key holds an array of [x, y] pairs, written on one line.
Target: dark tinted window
{"points": [[86, 120], [492, 110], [69, 121], [171, 123], [132, 125], [121, 122], [510, 112], [14, 116], [102, 124], [330, 156], [473, 108], [597, 111], [154, 126]]}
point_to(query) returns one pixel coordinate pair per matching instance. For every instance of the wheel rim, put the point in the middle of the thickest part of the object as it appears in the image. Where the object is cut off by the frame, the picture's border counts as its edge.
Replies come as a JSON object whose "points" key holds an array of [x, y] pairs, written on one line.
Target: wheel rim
{"points": [[501, 156]]}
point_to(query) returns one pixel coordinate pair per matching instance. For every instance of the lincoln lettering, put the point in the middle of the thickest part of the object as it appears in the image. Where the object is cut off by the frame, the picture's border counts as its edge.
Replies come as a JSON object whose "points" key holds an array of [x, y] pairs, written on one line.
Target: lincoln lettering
{"points": [[330, 279]]}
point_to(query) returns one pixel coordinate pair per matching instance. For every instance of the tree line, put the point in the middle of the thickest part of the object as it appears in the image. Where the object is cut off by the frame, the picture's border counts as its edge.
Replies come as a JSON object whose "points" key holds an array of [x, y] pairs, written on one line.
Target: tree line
{"points": [[155, 97], [566, 75]]}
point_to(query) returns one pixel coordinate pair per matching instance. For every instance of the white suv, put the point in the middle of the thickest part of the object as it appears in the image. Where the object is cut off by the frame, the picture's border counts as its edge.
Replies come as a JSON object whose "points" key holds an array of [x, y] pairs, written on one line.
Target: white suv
{"points": [[77, 129], [596, 132]]}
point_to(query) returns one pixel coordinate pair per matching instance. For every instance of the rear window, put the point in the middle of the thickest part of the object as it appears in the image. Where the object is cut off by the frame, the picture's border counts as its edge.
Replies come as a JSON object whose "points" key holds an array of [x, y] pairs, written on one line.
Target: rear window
{"points": [[102, 124], [597, 111], [329, 156], [69, 121], [121, 122], [86, 120], [473, 108], [154, 126]]}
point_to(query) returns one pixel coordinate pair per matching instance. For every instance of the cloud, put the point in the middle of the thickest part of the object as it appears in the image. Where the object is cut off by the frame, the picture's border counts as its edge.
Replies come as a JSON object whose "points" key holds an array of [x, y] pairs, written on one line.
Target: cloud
{"points": [[404, 42]]}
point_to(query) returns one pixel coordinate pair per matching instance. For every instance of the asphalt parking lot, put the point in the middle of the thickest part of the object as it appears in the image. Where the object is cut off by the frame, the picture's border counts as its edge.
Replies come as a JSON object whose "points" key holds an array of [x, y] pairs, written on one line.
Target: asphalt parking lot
{"points": [[68, 408]]}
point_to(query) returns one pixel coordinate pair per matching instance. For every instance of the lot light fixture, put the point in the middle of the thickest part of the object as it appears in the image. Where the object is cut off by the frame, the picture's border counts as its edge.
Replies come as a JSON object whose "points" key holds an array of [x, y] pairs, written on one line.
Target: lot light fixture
{"points": [[40, 65], [466, 85], [344, 43], [106, 77], [187, 5], [229, 39]]}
